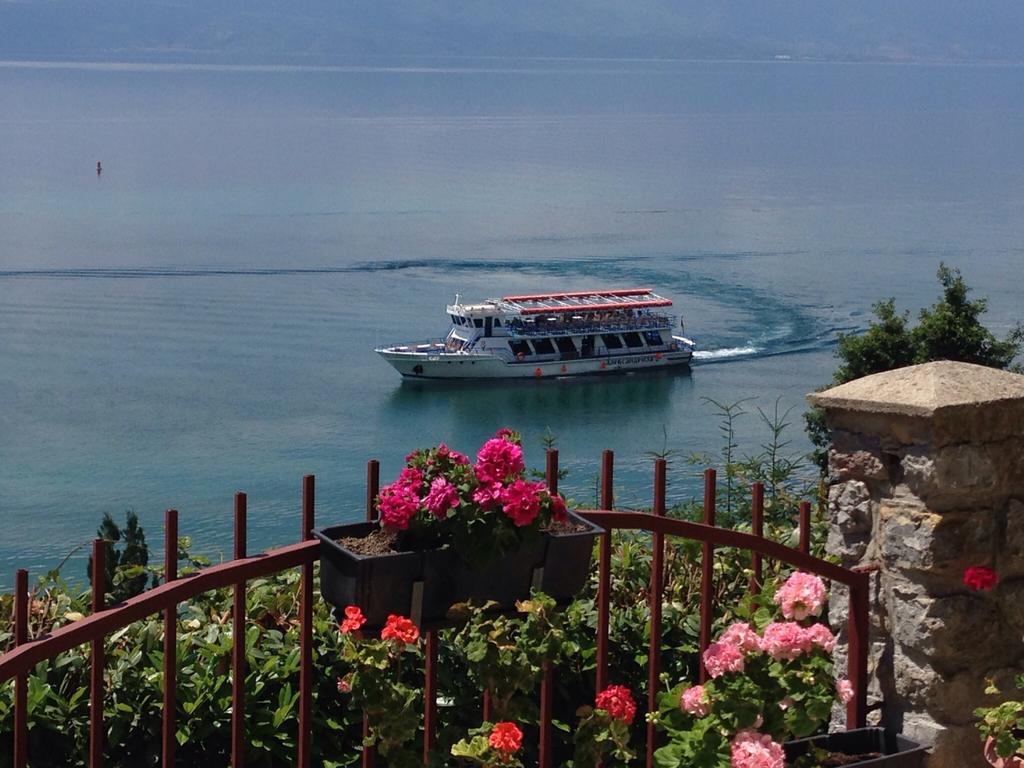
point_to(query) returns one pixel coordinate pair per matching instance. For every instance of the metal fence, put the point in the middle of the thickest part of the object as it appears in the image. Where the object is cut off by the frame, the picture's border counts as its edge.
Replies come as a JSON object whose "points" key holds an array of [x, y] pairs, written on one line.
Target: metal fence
{"points": [[93, 629]]}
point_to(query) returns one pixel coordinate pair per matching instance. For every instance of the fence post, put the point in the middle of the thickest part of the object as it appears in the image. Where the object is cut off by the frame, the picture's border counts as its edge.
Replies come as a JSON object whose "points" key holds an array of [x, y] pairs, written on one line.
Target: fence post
{"points": [[169, 727], [20, 681], [707, 569], [757, 528], [238, 641], [98, 660], [655, 601], [306, 629], [604, 574]]}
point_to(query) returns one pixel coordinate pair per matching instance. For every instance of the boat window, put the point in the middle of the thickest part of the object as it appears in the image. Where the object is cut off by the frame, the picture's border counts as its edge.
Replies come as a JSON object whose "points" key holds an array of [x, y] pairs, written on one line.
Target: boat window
{"points": [[544, 346], [478, 322], [565, 345], [519, 348], [497, 323], [653, 339], [455, 319], [611, 340], [587, 347], [632, 340]]}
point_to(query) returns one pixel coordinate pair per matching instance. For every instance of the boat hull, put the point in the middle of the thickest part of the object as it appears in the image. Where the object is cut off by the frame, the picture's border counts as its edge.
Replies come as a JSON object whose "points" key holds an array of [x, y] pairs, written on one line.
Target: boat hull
{"points": [[419, 365]]}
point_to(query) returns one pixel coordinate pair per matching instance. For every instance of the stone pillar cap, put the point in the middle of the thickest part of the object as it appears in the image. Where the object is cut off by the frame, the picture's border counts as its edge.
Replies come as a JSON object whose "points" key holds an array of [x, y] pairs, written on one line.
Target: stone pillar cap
{"points": [[922, 390]]}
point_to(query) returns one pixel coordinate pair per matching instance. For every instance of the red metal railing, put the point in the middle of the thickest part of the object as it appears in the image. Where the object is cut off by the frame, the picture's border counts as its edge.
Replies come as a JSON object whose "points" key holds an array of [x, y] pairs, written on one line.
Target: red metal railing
{"points": [[17, 663]]}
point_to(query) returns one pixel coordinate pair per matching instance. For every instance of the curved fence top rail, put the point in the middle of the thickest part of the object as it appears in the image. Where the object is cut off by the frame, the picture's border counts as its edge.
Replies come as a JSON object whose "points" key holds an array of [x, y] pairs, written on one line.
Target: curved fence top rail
{"points": [[723, 537], [21, 659]]}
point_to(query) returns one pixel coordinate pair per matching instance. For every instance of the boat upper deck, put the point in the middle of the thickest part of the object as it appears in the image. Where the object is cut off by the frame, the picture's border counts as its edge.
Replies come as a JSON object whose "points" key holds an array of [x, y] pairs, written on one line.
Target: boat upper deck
{"points": [[578, 302]]}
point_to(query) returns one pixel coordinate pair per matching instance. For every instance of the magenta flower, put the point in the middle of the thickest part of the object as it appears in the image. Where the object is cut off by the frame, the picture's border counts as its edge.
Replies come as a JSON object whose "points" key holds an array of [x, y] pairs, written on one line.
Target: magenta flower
{"points": [[720, 658], [442, 497], [498, 460], [521, 501], [751, 749], [785, 640], [801, 596], [488, 495], [398, 504]]}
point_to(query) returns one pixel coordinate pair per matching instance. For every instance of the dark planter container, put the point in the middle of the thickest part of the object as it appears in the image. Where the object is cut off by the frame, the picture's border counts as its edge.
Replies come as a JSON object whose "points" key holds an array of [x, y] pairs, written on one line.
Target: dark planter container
{"points": [[567, 562], [424, 585], [896, 751]]}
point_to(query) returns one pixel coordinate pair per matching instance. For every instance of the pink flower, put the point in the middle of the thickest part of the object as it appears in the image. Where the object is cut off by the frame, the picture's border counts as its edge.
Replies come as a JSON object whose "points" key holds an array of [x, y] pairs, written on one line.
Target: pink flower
{"points": [[844, 690], [411, 477], [820, 636], [618, 702], [508, 434], [488, 495], [785, 640], [498, 460], [801, 596], [720, 658], [444, 452], [742, 637], [344, 685], [558, 508], [398, 504], [695, 701], [521, 501], [442, 497], [751, 749]]}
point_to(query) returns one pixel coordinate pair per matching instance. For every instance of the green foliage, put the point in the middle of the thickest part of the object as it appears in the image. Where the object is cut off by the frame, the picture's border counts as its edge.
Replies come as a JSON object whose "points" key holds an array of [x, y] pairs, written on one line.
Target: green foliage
{"points": [[126, 573], [600, 739], [1003, 723], [951, 329]]}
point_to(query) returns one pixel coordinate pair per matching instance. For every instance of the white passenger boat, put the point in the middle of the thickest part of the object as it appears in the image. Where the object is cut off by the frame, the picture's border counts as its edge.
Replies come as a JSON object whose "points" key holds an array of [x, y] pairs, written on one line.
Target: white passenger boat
{"points": [[549, 335]]}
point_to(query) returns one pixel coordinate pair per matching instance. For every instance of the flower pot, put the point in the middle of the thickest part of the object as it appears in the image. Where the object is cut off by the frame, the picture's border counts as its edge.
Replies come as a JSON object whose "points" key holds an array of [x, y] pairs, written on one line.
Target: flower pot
{"points": [[895, 750], [1014, 761], [424, 585], [567, 561]]}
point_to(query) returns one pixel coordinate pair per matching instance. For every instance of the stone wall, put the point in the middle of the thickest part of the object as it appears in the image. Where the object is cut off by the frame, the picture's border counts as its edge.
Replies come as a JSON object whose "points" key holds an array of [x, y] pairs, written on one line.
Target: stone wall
{"points": [[926, 473]]}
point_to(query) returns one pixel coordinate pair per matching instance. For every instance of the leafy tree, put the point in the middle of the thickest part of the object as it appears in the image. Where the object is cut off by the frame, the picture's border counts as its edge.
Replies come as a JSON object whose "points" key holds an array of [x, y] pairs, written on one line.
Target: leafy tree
{"points": [[950, 329], [126, 565]]}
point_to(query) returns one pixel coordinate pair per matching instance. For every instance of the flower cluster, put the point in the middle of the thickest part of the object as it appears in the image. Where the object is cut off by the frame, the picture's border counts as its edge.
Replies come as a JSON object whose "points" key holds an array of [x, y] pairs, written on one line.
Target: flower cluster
{"points": [[750, 749], [980, 578], [618, 702], [767, 684], [439, 493], [603, 731], [376, 685], [506, 737]]}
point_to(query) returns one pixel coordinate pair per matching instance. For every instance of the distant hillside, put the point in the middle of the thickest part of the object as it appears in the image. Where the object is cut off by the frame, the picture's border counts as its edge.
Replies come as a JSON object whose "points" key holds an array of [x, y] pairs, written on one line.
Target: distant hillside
{"points": [[325, 30]]}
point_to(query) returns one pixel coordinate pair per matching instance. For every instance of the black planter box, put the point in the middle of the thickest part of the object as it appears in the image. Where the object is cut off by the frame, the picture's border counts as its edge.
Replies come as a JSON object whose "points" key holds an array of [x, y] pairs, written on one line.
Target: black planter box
{"points": [[424, 585], [896, 751], [567, 561]]}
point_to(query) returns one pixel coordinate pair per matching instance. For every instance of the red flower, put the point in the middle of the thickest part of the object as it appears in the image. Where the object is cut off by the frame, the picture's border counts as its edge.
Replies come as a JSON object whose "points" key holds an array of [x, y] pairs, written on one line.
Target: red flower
{"points": [[506, 737], [981, 578], [401, 629], [617, 701], [521, 501], [558, 511], [344, 685], [354, 619]]}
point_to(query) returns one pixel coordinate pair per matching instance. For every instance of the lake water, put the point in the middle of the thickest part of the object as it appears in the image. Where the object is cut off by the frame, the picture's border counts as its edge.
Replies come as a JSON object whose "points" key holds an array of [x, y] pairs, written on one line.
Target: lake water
{"points": [[200, 318]]}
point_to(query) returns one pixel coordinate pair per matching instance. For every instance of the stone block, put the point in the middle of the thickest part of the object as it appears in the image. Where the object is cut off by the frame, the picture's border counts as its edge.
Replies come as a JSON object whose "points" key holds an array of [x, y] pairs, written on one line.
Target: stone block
{"points": [[1011, 554], [857, 457], [956, 747], [850, 507], [916, 539]]}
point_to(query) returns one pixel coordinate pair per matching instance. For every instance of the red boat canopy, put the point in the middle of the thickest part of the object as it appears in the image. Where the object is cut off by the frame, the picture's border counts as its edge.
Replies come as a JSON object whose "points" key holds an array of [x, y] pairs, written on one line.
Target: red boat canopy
{"points": [[584, 301]]}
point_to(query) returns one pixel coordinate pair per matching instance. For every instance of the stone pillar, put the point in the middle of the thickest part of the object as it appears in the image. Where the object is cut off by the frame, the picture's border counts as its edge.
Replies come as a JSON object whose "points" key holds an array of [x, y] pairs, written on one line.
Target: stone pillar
{"points": [[926, 478]]}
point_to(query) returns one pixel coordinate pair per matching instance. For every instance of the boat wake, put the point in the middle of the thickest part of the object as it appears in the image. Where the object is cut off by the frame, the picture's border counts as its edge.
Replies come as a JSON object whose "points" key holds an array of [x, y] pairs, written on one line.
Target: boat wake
{"points": [[710, 355]]}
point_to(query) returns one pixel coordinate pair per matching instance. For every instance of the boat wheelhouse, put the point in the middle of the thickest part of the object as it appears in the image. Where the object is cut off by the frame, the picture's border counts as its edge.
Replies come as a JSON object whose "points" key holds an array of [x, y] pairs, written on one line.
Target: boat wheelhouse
{"points": [[550, 334]]}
